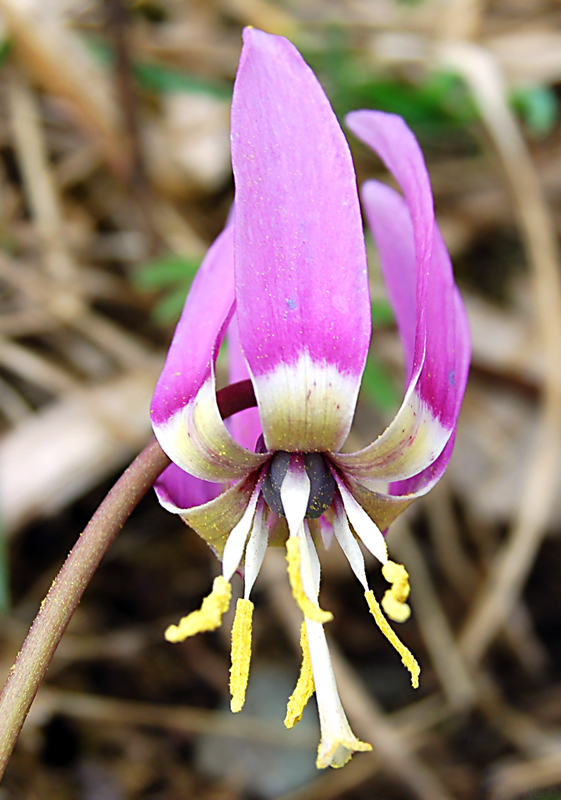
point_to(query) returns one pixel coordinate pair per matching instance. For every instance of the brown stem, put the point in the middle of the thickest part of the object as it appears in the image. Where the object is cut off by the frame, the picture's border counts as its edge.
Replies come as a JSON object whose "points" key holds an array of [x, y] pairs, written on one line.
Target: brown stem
{"points": [[68, 587]]}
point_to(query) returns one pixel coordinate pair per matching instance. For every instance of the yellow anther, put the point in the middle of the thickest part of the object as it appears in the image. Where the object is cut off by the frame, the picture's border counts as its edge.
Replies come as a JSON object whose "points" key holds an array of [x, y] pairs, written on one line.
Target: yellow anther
{"points": [[208, 617], [341, 752], [305, 686], [407, 657], [394, 602], [241, 653], [309, 609]]}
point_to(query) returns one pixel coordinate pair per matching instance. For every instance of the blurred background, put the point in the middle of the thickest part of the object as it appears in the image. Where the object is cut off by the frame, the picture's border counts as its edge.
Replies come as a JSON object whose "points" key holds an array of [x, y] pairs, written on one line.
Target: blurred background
{"points": [[114, 178]]}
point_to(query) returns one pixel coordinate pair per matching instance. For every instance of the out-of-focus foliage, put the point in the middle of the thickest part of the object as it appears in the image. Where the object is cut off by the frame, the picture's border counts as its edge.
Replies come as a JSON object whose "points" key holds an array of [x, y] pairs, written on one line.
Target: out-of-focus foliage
{"points": [[172, 276], [539, 108], [435, 104]]}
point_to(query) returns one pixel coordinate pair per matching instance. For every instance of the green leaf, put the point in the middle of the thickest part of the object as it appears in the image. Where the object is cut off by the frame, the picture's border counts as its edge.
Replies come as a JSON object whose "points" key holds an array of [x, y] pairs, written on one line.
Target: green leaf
{"points": [[166, 271], [438, 105], [379, 386], [173, 275], [161, 79], [5, 49], [382, 314], [169, 308], [538, 106]]}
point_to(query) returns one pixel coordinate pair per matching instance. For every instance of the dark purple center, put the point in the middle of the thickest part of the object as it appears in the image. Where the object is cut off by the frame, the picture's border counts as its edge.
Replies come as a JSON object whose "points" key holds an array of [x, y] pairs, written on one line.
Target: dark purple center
{"points": [[322, 483]]}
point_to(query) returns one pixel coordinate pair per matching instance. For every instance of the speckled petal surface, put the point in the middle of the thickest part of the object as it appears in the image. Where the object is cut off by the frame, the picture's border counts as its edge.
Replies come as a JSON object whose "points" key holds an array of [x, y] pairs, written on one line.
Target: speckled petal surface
{"points": [[301, 275], [214, 520], [429, 310], [184, 412], [245, 426], [177, 490]]}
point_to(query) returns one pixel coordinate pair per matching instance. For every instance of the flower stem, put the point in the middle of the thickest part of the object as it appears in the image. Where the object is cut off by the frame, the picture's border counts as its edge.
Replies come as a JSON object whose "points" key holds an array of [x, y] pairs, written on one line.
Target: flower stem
{"points": [[68, 587], [66, 591]]}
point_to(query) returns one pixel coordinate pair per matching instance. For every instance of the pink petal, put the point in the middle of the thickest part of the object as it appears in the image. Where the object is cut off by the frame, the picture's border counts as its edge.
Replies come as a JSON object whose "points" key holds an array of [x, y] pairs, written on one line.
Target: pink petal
{"points": [[177, 490], [185, 415], [301, 276], [442, 379], [390, 137], [245, 426], [390, 222], [383, 507], [424, 481], [429, 311]]}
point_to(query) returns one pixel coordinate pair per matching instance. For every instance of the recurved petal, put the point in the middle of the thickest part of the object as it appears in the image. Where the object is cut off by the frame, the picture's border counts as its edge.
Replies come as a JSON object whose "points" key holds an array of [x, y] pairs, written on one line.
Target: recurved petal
{"points": [[177, 490], [422, 289], [214, 520], [184, 412], [383, 507], [246, 425], [390, 137], [301, 276], [424, 481]]}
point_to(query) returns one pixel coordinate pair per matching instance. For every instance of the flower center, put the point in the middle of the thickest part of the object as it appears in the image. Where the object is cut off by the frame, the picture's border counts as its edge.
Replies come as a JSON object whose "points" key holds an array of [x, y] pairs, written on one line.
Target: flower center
{"points": [[322, 483]]}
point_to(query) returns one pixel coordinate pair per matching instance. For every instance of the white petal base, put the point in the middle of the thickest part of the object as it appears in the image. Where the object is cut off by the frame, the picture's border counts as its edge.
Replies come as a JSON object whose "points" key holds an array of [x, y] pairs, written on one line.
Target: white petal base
{"points": [[197, 440], [411, 443], [306, 406]]}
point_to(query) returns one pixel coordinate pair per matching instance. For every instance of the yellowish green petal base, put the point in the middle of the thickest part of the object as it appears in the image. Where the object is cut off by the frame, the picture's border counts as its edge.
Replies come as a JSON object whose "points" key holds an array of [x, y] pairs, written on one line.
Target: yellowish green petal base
{"points": [[309, 609], [208, 617], [305, 686], [241, 653]]}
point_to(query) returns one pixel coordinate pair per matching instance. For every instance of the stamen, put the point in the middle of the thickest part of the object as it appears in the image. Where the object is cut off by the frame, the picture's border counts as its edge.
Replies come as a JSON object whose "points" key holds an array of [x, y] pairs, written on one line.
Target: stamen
{"points": [[305, 686], [394, 601], [207, 618], [338, 742], [240, 653], [364, 527], [256, 547], [308, 608], [407, 657]]}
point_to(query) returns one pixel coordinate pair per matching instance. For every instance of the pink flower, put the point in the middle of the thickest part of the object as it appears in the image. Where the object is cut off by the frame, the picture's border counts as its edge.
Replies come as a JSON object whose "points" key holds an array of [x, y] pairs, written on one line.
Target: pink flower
{"points": [[288, 281]]}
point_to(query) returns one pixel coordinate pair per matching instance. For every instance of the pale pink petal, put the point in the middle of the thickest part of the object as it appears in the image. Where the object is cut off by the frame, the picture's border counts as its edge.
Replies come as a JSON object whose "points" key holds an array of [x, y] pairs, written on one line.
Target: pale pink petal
{"points": [[390, 137]]}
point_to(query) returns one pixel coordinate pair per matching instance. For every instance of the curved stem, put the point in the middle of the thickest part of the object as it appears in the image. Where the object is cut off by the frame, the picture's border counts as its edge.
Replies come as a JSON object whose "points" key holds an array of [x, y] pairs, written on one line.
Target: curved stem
{"points": [[68, 587]]}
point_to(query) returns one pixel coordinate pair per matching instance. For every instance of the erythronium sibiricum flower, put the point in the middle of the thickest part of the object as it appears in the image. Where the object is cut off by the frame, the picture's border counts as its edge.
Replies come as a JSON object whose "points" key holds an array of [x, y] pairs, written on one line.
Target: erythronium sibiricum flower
{"points": [[287, 283]]}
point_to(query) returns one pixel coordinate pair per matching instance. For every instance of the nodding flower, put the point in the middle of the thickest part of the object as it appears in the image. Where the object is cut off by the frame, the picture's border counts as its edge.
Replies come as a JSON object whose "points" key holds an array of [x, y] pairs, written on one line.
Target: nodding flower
{"points": [[286, 282]]}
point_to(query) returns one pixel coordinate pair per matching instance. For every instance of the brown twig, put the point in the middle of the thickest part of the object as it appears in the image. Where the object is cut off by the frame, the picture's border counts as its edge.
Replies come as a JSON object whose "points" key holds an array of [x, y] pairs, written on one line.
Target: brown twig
{"points": [[68, 587], [512, 565]]}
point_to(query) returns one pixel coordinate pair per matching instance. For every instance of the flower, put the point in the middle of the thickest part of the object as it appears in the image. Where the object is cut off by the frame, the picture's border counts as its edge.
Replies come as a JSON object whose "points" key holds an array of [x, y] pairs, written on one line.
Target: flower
{"points": [[287, 282]]}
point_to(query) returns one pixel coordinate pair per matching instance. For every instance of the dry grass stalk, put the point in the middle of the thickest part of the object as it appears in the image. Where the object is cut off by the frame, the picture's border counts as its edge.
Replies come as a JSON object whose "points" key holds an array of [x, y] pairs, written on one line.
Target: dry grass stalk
{"points": [[514, 562]]}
